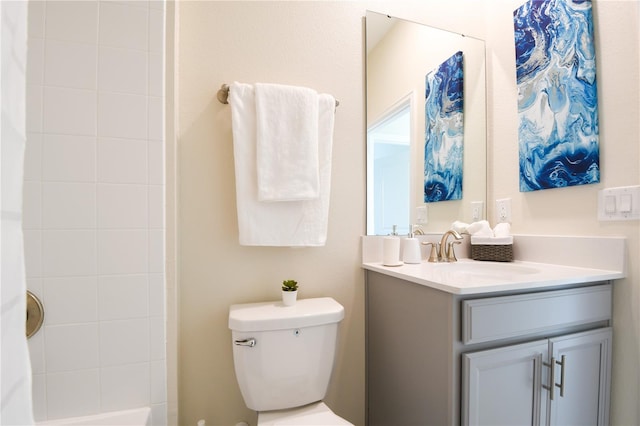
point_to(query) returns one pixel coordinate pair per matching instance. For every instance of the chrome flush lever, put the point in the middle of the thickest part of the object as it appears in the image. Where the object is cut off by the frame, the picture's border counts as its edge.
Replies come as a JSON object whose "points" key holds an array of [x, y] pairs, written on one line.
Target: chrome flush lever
{"points": [[251, 342]]}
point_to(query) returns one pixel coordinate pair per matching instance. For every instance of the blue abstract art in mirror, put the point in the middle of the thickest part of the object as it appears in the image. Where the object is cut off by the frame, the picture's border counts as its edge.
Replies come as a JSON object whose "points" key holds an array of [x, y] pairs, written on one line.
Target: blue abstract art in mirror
{"points": [[444, 131], [557, 96]]}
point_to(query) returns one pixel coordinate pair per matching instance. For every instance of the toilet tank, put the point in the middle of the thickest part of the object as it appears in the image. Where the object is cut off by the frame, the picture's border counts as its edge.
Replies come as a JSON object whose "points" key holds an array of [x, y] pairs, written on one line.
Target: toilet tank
{"points": [[283, 355]]}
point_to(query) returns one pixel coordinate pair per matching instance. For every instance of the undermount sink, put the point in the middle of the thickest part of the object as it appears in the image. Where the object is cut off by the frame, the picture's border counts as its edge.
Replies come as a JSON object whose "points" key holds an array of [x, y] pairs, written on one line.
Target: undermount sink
{"points": [[471, 272], [486, 268]]}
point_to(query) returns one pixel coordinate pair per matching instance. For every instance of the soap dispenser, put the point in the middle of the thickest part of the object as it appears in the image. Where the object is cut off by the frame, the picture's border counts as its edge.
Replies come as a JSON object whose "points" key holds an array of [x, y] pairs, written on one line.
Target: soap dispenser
{"points": [[411, 248]]}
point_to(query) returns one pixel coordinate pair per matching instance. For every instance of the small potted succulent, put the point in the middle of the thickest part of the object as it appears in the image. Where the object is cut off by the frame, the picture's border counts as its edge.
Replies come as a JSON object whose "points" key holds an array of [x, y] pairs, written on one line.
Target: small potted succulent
{"points": [[289, 292]]}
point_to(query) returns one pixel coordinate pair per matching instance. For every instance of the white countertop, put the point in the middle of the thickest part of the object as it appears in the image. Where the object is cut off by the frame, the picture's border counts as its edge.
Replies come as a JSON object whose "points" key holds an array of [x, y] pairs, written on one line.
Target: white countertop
{"points": [[551, 262], [472, 277]]}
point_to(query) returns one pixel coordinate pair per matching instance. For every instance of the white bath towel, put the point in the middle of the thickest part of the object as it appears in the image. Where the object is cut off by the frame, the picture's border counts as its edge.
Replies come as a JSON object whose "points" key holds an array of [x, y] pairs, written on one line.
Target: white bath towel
{"points": [[286, 223], [287, 142]]}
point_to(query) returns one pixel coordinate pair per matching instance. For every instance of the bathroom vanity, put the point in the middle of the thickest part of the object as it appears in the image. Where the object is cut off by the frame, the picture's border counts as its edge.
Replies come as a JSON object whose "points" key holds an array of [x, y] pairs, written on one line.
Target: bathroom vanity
{"points": [[485, 343]]}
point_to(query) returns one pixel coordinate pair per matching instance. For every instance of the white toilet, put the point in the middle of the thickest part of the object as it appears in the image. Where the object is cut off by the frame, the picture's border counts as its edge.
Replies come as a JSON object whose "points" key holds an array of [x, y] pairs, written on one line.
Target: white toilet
{"points": [[283, 357]]}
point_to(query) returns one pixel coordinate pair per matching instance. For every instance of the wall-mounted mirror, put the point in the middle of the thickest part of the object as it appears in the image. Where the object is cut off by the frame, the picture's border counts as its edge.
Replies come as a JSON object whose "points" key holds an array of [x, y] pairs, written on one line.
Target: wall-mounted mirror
{"points": [[400, 55]]}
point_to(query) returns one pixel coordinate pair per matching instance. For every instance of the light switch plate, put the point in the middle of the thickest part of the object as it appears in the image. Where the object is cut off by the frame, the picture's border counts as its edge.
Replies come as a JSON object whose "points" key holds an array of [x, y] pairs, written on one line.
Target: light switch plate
{"points": [[622, 203]]}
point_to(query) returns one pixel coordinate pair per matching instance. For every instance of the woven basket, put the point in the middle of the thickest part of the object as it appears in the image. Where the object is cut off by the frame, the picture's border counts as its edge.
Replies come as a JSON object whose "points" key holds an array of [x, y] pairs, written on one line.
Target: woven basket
{"points": [[493, 252]]}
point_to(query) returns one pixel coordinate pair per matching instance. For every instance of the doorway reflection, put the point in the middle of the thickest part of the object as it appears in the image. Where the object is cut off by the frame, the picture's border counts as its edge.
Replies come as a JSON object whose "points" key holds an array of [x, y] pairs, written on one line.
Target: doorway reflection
{"points": [[388, 164]]}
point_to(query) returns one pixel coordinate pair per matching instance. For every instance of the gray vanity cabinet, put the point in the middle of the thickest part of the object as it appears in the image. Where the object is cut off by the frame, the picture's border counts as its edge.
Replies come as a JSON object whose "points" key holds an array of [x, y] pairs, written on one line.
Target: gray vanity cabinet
{"points": [[511, 385], [437, 358]]}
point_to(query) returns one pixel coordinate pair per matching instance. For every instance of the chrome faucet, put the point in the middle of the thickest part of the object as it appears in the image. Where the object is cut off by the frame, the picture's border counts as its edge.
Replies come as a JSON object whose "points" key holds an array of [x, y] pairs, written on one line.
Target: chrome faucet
{"points": [[446, 253]]}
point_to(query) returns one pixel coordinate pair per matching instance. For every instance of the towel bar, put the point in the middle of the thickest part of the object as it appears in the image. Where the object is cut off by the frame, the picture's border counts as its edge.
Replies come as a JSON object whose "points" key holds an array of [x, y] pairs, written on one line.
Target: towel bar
{"points": [[223, 95]]}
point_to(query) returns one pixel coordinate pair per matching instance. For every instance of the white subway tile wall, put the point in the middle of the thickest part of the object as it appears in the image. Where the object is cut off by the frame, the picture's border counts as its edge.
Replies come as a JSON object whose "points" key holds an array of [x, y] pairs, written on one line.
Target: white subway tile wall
{"points": [[125, 386], [74, 391], [94, 206]]}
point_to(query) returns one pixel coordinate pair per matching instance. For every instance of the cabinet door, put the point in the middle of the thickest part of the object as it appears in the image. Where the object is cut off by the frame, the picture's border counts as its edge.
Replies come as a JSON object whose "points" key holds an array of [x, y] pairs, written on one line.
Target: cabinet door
{"points": [[503, 386], [587, 369]]}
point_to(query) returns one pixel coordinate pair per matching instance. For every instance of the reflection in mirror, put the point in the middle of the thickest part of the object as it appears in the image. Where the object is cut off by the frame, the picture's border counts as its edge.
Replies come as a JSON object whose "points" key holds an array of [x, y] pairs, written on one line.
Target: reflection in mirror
{"points": [[399, 56], [388, 158]]}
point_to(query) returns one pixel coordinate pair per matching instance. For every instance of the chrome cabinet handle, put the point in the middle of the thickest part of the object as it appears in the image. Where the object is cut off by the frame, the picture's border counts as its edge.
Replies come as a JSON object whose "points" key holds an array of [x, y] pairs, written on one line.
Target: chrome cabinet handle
{"points": [[251, 342], [552, 376], [562, 365]]}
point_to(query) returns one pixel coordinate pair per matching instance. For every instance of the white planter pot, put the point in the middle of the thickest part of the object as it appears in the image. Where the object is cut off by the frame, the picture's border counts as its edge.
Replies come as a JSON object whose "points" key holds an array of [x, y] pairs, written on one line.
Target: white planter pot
{"points": [[289, 297]]}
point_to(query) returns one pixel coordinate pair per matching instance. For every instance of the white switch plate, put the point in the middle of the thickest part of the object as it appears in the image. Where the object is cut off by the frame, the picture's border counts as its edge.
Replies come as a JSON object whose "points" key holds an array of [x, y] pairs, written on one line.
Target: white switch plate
{"points": [[477, 210], [421, 215], [622, 203], [503, 210]]}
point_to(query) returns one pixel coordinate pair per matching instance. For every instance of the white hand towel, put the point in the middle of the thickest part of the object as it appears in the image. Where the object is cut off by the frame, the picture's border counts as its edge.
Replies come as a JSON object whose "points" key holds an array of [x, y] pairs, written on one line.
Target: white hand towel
{"points": [[480, 229], [287, 223], [502, 230], [287, 142], [491, 241], [460, 227]]}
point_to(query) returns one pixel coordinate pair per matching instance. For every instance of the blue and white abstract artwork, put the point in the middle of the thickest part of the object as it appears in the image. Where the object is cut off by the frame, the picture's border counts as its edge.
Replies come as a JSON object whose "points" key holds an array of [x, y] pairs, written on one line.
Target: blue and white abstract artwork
{"points": [[557, 96], [444, 131]]}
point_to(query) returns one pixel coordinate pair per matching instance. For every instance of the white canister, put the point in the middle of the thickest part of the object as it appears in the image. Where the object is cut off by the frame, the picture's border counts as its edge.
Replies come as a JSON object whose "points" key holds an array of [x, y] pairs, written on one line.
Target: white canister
{"points": [[391, 251], [411, 250]]}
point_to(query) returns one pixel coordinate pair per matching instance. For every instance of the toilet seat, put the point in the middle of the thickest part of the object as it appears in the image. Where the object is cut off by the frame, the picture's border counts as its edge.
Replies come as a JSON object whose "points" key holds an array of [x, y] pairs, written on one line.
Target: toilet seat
{"points": [[313, 414]]}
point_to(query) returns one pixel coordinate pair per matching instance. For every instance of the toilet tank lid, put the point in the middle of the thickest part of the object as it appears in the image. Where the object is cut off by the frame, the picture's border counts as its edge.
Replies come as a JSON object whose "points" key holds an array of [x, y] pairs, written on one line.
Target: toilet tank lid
{"points": [[276, 316]]}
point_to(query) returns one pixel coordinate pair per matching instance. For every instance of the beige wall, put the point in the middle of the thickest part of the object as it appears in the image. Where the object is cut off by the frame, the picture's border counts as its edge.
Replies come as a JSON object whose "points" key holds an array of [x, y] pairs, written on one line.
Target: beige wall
{"points": [[310, 44], [572, 211], [319, 44]]}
